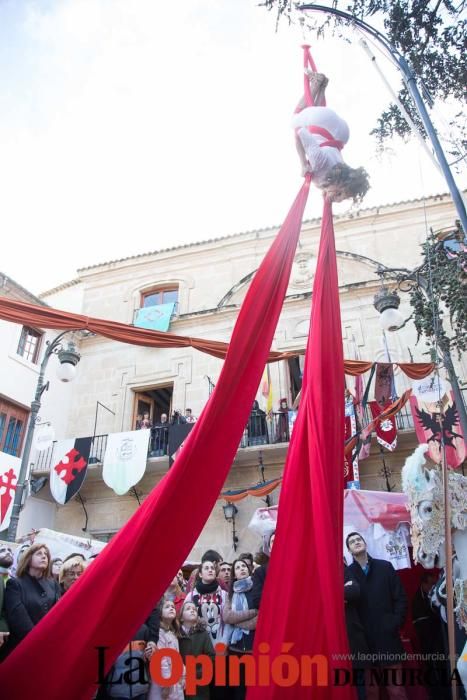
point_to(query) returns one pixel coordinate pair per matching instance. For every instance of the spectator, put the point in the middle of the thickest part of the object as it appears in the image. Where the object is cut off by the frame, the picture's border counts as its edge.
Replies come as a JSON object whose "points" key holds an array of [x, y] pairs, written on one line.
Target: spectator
{"points": [[6, 562], [190, 418], [224, 575], [428, 626], [146, 422], [160, 437], [193, 641], [259, 575], [382, 607], [139, 418], [127, 678], [209, 555], [181, 580], [257, 426], [355, 632], [56, 566], [209, 599], [240, 614], [177, 417], [71, 571], [168, 633], [248, 557], [30, 595], [282, 427]]}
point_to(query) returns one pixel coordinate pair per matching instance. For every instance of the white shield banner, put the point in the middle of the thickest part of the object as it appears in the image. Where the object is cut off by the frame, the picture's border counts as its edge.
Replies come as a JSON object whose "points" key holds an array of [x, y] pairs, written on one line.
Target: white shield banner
{"points": [[9, 472], [69, 466], [125, 459]]}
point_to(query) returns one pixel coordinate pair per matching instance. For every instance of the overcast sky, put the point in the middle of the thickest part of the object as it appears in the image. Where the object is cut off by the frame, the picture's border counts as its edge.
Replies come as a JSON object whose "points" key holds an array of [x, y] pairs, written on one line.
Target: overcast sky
{"points": [[131, 125]]}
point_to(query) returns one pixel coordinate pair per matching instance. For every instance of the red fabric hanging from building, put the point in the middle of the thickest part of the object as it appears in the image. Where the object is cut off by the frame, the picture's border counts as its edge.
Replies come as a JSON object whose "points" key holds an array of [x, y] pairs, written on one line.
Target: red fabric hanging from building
{"points": [[45, 317], [308, 545], [120, 588]]}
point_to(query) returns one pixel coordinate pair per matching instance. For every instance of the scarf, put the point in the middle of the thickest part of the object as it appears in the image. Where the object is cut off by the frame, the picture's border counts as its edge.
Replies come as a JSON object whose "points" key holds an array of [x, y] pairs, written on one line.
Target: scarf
{"points": [[204, 588], [239, 603]]}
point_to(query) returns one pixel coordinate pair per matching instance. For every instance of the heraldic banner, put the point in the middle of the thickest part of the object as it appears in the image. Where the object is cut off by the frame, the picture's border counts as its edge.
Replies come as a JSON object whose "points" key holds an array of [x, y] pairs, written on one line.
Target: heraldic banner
{"points": [[9, 470], [70, 459], [125, 459]]}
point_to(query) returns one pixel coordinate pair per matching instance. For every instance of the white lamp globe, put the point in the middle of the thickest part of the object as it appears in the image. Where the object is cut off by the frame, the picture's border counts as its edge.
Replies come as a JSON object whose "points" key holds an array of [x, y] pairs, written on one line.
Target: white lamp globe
{"points": [[391, 319], [66, 372]]}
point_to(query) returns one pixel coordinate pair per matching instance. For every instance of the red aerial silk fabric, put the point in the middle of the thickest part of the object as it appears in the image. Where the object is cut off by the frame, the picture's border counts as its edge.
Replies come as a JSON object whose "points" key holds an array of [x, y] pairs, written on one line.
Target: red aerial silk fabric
{"points": [[303, 598], [106, 606]]}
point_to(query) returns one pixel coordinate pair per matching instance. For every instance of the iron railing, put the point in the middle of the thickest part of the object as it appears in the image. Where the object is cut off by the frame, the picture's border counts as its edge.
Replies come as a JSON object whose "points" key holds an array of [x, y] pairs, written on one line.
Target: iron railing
{"points": [[260, 429]]}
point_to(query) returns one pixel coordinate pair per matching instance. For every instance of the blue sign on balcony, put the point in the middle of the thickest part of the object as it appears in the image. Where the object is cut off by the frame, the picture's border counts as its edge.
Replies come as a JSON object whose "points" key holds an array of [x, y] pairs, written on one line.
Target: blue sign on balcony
{"points": [[155, 318]]}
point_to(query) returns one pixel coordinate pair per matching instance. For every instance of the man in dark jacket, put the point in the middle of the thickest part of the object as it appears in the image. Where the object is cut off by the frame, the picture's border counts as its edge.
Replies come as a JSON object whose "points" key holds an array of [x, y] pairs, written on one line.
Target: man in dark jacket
{"points": [[382, 608], [355, 631]]}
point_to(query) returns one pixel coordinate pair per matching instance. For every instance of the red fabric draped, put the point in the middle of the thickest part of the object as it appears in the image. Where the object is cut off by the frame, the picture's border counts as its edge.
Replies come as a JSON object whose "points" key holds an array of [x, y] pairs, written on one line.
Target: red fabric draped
{"points": [[113, 597], [303, 598], [45, 317]]}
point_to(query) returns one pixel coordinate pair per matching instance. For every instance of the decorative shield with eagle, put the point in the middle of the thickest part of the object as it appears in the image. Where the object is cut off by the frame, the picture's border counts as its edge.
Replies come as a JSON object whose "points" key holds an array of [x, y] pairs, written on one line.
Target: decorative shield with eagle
{"points": [[433, 420]]}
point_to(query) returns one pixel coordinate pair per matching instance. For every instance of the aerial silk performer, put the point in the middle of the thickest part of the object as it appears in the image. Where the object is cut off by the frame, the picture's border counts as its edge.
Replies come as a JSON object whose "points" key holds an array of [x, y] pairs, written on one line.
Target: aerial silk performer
{"points": [[302, 607], [58, 659]]}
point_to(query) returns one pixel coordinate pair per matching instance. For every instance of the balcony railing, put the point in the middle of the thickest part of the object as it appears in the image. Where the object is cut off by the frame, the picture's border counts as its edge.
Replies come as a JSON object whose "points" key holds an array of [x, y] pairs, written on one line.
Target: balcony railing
{"points": [[259, 430]]}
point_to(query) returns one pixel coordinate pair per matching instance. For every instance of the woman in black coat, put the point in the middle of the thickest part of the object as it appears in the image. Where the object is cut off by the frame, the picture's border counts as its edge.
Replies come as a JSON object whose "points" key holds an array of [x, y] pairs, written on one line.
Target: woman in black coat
{"points": [[30, 595]]}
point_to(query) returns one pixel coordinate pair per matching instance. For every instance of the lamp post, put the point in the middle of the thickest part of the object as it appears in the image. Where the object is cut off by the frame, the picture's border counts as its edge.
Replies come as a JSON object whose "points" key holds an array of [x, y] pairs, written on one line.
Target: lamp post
{"points": [[387, 301], [230, 511], [68, 358], [409, 79]]}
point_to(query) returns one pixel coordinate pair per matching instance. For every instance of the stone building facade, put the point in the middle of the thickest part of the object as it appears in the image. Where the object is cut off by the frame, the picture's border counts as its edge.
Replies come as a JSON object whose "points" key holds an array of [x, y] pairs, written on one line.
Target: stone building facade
{"points": [[210, 280]]}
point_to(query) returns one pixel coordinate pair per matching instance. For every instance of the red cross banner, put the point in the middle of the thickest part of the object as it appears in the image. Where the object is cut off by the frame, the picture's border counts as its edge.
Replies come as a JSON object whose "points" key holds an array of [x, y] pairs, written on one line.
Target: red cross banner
{"points": [[70, 463], [9, 470]]}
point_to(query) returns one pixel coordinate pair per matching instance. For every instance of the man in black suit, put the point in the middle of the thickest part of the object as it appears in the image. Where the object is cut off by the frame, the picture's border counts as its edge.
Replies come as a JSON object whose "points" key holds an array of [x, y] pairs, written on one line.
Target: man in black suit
{"points": [[382, 608]]}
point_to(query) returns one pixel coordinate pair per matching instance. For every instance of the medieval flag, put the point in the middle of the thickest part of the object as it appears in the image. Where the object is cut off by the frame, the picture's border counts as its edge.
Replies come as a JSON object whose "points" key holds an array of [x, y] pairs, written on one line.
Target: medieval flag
{"points": [[364, 446], [9, 471], [351, 474], [125, 459], [433, 418], [385, 391], [70, 463], [386, 429], [178, 432]]}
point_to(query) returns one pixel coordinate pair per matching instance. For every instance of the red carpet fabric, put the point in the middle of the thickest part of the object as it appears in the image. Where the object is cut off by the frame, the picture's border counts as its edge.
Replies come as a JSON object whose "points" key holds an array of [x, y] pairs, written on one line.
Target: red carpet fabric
{"points": [[303, 598], [114, 596]]}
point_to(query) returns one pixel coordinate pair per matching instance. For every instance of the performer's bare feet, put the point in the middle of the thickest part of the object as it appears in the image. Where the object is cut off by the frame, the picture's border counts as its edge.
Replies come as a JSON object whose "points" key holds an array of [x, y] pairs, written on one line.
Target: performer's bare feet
{"points": [[318, 83]]}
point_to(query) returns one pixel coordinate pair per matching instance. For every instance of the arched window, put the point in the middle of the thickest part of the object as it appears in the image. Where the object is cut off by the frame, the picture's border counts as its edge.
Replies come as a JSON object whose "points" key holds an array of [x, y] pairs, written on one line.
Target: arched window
{"points": [[162, 294]]}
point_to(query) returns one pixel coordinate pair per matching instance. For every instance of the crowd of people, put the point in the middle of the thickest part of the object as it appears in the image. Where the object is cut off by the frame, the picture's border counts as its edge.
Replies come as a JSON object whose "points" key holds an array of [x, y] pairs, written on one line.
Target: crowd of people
{"points": [[220, 602]]}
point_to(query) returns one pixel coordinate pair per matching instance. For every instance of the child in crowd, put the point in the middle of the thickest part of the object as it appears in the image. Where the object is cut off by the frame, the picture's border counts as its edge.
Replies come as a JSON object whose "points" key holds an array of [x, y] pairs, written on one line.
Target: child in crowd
{"points": [[168, 639], [194, 640]]}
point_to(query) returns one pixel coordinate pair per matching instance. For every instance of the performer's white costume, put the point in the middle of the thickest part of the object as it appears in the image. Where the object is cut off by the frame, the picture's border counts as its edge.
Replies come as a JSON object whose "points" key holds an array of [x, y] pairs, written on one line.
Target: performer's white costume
{"points": [[320, 158]]}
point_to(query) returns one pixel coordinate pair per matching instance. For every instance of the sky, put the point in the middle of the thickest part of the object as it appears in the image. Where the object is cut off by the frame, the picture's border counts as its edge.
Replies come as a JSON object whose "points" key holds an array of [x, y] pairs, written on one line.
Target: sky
{"points": [[128, 127]]}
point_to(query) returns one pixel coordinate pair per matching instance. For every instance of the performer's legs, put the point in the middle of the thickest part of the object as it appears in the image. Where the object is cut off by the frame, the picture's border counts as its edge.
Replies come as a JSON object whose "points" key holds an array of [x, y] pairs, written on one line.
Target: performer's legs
{"points": [[318, 83]]}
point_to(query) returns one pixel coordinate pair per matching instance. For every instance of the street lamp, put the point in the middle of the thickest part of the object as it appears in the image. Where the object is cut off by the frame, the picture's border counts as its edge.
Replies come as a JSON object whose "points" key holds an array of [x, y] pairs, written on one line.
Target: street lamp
{"points": [[386, 302], [68, 358], [230, 511]]}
